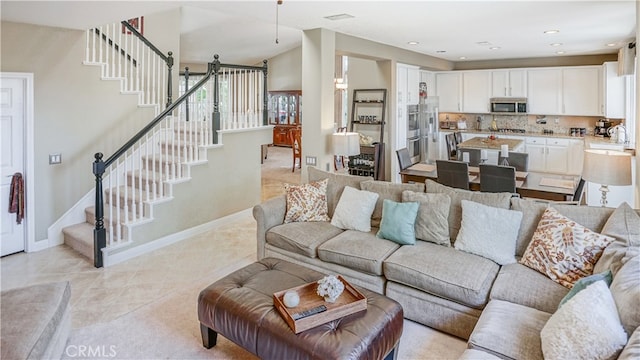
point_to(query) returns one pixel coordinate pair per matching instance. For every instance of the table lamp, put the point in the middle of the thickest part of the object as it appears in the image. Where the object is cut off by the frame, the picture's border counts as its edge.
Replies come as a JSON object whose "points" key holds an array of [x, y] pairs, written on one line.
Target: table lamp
{"points": [[345, 144], [606, 167]]}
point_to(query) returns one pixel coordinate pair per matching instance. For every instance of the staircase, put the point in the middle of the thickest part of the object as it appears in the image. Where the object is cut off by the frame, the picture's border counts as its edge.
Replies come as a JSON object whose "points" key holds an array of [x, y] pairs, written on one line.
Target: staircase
{"points": [[143, 173]]}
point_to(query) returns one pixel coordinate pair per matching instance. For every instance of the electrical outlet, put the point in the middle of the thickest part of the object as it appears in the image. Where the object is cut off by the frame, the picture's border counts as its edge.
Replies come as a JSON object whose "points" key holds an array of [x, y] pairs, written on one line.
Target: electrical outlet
{"points": [[55, 159], [311, 160]]}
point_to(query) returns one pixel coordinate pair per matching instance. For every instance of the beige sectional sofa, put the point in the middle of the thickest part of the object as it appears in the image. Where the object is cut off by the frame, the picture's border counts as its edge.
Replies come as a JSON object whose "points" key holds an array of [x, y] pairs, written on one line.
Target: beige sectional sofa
{"points": [[500, 309]]}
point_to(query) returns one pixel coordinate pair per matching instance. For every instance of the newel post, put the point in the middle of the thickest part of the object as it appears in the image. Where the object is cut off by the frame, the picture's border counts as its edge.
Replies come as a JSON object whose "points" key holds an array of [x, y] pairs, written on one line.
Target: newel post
{"points": [[216, 109], [169, 80], [265, 95], [99, 233]]}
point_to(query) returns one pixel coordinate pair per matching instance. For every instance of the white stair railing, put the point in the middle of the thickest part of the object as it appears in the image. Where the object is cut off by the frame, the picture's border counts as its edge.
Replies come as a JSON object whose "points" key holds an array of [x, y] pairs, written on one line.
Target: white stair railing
{"points": [[126, 55]]}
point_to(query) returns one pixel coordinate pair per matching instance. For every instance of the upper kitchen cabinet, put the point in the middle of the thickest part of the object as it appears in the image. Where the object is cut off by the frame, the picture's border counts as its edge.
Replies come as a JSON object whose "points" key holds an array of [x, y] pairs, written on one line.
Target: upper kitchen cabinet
{"points": [[449, 91], [582, 91], [544, 91], [565, 91], [429, 78], [614, 92], [408, 83], [476, 91], [507, 83]]}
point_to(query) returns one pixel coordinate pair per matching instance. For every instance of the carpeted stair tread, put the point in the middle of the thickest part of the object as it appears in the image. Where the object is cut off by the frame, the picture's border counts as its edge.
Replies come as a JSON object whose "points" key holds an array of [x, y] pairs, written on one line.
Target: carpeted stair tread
{"points": [[80, 238]]}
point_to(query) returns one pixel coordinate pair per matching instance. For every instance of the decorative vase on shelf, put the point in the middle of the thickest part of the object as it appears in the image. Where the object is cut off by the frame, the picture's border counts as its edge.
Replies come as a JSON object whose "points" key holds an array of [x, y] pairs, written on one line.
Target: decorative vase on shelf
{"points": [[330, 288]]}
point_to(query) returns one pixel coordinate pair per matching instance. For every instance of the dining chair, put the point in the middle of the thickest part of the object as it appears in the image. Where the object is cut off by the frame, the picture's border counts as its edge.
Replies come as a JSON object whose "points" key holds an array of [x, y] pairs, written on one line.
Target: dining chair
{"points": [[458, 136], [497, 178], [517, 159], [404, 159], [453, 173], [295, 135], [452, 147], [473, 155]]}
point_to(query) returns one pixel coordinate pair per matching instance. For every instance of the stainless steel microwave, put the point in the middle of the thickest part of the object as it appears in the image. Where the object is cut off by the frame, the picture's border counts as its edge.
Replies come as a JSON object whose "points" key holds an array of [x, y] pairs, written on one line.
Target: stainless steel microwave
{"points": [[508, 105]]}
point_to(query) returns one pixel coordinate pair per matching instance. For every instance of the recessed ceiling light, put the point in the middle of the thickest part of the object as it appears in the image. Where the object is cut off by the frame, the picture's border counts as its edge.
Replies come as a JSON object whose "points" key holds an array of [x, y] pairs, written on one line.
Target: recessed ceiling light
{"points": [[611, 44], [441, 51], [483, 43], [463, 58], [551, 31], [339, 17], [559, 52], [556, 44], [413, 43], [494, 48]]}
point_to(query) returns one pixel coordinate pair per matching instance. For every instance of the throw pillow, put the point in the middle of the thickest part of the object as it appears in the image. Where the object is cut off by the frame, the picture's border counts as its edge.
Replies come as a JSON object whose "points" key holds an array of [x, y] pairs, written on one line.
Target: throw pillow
{"points": [[336, 184], [489, 232], [354, 209], [306, 202], [499, 200], [625, 289], [431, 223], [582, 284], [398, 222], [387, 190], [624, 226], [586, 327], [562, 249]]}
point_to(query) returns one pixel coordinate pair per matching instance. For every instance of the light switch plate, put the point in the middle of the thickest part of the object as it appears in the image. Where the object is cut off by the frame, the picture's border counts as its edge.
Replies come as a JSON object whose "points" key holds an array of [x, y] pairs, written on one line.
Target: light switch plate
{"points": [[55, 159], [311, 160]]}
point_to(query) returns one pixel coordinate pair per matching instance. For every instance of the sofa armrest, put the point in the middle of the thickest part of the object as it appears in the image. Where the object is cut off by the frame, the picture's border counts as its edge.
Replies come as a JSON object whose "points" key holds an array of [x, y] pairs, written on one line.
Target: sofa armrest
{"points": [[268, 214]]}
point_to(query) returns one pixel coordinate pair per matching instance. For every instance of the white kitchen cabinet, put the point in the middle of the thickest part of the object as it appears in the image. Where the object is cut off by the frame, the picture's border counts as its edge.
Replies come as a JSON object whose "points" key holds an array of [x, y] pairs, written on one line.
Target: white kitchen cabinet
{"points": [[506, 83], [544, 89], [476, 91], [449, 91], [547, 154], [575, 157], [581, 90], [613, 102], [413, 85]]}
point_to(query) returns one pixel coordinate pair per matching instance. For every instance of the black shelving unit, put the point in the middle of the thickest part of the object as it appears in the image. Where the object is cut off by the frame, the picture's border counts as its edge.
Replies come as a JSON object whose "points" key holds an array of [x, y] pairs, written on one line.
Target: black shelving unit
{"points": [[369, 109]]}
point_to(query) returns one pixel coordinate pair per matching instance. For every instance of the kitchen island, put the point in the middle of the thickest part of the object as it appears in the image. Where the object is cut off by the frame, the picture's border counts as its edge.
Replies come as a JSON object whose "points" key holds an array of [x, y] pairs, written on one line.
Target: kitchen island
{"points": [[479, 142]]}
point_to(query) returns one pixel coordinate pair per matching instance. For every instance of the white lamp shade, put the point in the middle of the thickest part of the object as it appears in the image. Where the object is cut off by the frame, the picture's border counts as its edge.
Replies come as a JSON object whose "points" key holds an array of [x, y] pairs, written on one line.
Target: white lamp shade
{"points": [[346, 143], [607, 167]]}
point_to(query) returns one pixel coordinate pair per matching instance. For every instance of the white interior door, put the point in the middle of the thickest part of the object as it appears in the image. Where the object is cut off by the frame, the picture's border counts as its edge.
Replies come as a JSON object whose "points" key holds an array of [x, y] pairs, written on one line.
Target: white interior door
{"points": [[12, 157]]}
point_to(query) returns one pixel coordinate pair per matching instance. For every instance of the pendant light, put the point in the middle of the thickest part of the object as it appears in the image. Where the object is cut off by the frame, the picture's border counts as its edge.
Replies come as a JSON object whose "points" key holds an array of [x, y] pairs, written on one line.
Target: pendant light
{"points": [[278, 3]]}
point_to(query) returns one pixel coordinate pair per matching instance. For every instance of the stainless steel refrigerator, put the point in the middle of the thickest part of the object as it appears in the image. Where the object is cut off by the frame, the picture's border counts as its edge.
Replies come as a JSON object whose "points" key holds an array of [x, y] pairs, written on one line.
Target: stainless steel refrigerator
{"points": [[429, 129]]}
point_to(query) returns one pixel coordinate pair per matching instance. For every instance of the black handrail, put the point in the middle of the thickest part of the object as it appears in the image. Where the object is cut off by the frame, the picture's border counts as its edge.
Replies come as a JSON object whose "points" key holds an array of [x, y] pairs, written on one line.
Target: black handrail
{"points": [[100, 165], [168, 59]]}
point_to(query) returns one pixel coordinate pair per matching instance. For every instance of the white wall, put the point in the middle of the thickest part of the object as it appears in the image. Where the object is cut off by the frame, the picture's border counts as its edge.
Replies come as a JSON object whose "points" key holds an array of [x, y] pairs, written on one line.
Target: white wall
{"points": [[285, 71]]}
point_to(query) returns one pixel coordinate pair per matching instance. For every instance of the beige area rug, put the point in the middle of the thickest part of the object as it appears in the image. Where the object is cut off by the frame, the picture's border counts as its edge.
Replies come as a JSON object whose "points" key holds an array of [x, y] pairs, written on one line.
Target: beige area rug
{"points": [[168, 328]]}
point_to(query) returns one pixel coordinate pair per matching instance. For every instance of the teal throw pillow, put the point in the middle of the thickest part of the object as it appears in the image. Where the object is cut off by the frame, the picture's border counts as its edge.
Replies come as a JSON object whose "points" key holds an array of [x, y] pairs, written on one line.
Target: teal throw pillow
{"points": [[398, 222], [582, 284]]}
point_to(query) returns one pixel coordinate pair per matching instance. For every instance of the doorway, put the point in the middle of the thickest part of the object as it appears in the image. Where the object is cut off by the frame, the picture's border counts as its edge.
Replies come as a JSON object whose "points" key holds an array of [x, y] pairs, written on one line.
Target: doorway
{"points": [[16, 131]]}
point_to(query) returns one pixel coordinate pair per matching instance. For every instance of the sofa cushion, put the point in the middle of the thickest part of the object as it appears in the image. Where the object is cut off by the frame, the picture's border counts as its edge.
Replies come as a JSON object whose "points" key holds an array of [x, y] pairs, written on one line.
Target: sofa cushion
{"points": [[624, 226], [354, 209], [591, 217], [306, 202], [585, 327], [519, 284], [631, 351], [499, 200], [563, 249], [387, 190], [444, 272], [431, 223], [399, 222], [357, 250], [336, 184], [473, 354], [625, 289], [510, 331], [301, 237], [35, 321], [489, 232]]}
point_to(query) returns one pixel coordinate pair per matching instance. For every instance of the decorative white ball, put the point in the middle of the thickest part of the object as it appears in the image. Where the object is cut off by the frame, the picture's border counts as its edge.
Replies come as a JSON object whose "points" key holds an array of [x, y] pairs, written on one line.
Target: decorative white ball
{"points": [[291, 299]]}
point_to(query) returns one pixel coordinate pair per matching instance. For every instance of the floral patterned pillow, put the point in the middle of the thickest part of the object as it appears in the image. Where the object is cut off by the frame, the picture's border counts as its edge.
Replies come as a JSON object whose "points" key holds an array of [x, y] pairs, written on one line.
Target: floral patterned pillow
{"points": [[562, 249], [307, 202]]}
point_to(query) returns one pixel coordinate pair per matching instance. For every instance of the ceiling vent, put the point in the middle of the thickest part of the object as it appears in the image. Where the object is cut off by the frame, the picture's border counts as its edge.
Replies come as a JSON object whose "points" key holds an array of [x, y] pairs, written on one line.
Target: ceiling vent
{"points": [[339, 17]]}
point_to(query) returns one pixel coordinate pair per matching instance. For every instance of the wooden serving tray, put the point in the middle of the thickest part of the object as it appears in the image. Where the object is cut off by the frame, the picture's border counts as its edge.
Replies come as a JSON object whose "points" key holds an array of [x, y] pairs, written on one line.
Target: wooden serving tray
{"points": [[350, 301]]}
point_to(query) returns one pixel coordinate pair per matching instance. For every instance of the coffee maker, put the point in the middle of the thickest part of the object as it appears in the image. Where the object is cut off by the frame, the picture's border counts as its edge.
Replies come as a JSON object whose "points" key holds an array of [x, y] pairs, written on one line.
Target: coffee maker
{"points": [[602, 128]]}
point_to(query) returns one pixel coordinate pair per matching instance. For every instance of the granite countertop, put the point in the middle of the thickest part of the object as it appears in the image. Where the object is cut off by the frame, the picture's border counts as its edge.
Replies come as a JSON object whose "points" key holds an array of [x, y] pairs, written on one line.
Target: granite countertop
{"points": [[481, 142]]}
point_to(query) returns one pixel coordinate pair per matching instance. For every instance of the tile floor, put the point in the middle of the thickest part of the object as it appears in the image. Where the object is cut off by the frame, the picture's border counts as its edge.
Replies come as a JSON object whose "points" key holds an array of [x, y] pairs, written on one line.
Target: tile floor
{"points": [[100, 295]]}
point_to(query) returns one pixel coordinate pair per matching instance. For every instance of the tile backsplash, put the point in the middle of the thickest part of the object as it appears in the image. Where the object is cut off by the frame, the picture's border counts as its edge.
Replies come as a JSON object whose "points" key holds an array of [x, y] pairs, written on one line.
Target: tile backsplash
{"points": [[531, 123]]}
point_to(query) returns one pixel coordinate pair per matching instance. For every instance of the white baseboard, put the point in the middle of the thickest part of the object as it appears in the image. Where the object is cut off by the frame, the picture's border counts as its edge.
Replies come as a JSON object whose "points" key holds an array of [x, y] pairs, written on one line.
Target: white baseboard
{"points": [[109, 260]]}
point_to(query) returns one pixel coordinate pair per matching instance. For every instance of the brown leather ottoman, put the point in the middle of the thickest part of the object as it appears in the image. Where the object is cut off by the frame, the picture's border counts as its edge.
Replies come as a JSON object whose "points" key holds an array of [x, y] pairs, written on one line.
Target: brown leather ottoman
{"points": [[240, 308]]}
